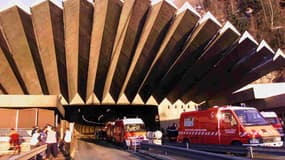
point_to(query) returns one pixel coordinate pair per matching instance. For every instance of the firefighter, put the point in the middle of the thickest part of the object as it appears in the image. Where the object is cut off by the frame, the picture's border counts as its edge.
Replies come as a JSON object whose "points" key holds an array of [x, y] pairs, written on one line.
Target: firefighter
{"points": [[14, 141]]}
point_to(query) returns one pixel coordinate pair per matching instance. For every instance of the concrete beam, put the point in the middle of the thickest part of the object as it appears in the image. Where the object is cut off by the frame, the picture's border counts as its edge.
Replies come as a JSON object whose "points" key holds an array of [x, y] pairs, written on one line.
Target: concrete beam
{"points": [[2, 90], [171, 47], [108, 38], [275, 102], [18, 32], [31, 101], [246, 46], [198, 40], [77, 27], [106, 17], [215, 51], [270, 65], [263, 54], [156, 26], [8, 79], [42, 22], [129, 29], [56, 16], [251, 93]]}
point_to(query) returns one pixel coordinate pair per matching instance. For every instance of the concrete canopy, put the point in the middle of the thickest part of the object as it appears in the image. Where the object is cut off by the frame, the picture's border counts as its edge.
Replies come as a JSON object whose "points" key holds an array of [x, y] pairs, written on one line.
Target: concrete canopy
{"points": [[127, 52]]}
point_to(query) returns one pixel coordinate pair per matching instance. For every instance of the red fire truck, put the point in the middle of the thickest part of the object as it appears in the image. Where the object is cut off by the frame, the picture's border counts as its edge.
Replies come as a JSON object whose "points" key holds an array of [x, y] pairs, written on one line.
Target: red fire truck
{"points": [[128, 131], [227, 125]]}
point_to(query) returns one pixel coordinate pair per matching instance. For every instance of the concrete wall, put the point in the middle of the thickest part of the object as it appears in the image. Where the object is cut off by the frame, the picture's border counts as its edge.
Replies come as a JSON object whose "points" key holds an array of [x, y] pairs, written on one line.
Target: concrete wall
{"points": [[25, 118]]}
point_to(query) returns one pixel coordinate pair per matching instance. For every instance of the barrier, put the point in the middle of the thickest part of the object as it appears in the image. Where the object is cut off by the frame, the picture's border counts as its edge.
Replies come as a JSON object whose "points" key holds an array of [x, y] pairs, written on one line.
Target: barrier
{"points": [[191, 153], [30, 154]]}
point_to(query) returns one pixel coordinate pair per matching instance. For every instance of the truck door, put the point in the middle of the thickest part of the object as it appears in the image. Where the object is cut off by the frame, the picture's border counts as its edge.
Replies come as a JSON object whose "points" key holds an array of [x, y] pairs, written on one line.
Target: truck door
{"points": [[228, 127]]}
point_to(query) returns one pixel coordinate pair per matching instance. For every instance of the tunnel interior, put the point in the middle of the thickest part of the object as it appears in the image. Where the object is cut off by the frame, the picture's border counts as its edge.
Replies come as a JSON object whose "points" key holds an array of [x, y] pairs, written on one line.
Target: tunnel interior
{"points": [[98, 115]]}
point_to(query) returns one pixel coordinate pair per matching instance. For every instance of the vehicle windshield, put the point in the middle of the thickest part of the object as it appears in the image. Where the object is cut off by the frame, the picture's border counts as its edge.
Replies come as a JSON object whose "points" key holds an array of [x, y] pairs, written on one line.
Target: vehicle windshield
{"points": [[272, 120], [250, 117], [134, 127]]}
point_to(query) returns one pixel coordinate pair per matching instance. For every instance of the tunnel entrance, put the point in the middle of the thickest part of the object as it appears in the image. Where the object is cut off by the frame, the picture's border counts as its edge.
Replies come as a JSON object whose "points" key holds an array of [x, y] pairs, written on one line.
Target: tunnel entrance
{"points": [[98, 115]]}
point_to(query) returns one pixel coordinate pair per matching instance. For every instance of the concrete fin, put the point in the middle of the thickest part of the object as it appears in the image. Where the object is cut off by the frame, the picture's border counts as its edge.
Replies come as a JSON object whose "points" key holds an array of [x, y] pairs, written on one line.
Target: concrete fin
{"points": [[137, 100], [154, 21], [55, 2], [227, 26], [46, 45], [92, 99], [209, 16], [187, 6], [171, 3], [264, 44], [99, 17], [19, 4], [151, 101], [7, 76], [62, 100], [123, 23], [15, 25], [76, 100], [108, 99], [154, 2], [123, 100], [278, 53], [247, 35]]}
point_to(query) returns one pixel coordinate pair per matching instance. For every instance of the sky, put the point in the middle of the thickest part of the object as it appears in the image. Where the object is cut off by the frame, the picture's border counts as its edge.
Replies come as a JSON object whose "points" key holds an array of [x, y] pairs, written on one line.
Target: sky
{"points": [[25, 4]]}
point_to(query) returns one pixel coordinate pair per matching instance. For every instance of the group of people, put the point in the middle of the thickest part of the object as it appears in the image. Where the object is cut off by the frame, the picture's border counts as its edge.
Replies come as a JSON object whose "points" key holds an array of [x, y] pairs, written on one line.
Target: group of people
{"points": [[50, 136], [47, 135]]}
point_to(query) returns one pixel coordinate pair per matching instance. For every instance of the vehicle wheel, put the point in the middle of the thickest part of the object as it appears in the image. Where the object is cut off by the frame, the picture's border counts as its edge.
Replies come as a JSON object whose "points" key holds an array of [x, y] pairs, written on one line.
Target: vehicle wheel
{"points": [[186, 142], [236, 143], [124, 144]]}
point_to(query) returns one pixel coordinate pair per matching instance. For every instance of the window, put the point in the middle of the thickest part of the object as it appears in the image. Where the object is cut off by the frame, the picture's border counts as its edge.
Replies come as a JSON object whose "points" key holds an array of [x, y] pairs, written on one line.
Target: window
{"points": [[250, 117], [229, 119], [189, 121], [134, 127]]}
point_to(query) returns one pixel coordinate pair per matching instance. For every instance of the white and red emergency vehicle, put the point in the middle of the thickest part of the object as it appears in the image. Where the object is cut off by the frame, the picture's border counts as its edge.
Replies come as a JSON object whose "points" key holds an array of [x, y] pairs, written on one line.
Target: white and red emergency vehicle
{"points": [[227, 125], [128, 131], [272, 118]]}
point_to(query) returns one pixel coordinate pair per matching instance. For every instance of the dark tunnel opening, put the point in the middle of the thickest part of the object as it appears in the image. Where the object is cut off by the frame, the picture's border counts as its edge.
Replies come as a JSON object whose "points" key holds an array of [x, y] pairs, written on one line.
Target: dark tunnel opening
{"points": [[99, 115]]}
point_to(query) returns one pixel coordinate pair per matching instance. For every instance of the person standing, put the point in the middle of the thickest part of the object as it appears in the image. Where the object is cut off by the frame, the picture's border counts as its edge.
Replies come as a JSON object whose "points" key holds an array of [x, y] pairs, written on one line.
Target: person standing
{"points": [[14, 140], [67, 141], [51, 142], [35, 139]]}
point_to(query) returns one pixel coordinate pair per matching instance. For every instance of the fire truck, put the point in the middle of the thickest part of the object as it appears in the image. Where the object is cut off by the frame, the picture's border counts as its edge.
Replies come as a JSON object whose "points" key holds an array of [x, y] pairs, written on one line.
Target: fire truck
{"points": [[129, 132], [227, 125]]}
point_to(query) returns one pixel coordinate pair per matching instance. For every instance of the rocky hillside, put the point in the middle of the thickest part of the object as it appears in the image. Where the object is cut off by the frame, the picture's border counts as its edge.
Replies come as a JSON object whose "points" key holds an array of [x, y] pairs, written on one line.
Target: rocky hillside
{"points": [[264, 19]]}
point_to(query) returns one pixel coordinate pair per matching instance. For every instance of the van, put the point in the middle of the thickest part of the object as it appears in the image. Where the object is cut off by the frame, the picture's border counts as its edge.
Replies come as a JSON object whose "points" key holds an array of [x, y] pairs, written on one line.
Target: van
{"points": [[129, 132], [273, 119], [227, 125]]}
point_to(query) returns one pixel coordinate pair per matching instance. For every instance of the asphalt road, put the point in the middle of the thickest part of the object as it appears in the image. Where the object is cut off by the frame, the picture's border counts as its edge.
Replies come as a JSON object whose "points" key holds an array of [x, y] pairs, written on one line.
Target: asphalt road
{"points": [[88, 150]]}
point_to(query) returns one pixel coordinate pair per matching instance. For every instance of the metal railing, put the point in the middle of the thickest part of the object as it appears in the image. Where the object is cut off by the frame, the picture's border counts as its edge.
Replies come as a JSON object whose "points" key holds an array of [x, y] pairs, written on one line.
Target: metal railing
{"points": [[269, 151], [190, 153], [240, 150], [30, 154]]}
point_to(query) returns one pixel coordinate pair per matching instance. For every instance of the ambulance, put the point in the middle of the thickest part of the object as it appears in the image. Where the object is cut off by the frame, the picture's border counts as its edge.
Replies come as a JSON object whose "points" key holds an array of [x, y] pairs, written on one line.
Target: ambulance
{"points": [[227, 125], [129, 132], [272, 118]]}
